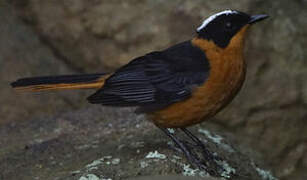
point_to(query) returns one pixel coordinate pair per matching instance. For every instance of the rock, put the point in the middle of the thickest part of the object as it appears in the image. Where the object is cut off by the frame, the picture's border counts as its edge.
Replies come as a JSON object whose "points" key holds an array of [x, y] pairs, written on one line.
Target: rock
{"points": [[23, 54], [83, 144], [171, 178], [102, 35]]}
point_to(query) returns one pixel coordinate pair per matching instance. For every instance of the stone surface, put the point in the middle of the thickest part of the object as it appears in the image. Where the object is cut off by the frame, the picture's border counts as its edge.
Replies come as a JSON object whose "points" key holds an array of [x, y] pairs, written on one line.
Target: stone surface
{"points": [[102, 35], [171, 178], [23, 54], [83, 144], [269, 114]]}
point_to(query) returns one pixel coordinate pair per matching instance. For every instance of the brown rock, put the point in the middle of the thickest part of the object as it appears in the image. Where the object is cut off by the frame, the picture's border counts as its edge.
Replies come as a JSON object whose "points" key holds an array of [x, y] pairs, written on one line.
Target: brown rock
{"points": [[106, 143], [102, 35], [22, 54]]}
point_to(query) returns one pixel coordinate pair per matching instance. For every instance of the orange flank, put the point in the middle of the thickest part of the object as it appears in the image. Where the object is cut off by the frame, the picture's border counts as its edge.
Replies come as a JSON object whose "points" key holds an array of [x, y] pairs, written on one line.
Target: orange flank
{"points": [[227, 74]]}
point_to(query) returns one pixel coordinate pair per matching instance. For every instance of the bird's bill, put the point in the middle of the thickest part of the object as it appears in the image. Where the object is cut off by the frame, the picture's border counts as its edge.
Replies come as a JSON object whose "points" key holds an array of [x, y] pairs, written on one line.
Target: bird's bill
{"points": [[257, 18]]}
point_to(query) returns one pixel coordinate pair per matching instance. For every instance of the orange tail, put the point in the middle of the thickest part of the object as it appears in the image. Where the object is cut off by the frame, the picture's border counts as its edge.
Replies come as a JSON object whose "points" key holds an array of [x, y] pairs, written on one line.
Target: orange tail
{"points": [[85, 81]]}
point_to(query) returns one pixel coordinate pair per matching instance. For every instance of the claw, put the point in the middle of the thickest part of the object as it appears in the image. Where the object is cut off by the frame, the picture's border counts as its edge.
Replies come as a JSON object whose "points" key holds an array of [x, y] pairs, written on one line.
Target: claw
{"points": [[208, 162]]}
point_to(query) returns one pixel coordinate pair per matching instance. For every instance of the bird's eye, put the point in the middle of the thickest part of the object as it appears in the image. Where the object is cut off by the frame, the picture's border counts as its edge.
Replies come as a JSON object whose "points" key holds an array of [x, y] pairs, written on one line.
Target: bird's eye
{"points": [[228, 25]]}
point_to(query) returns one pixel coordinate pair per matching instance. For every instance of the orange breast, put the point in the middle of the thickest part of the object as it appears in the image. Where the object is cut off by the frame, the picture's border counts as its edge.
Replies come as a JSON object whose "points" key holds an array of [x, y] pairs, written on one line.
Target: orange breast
{"points": [[227, 73]]}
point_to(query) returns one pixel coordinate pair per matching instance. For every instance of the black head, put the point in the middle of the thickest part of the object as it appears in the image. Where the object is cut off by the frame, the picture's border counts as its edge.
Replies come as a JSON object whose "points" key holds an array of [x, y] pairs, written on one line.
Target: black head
{"points": [[221, 27]]}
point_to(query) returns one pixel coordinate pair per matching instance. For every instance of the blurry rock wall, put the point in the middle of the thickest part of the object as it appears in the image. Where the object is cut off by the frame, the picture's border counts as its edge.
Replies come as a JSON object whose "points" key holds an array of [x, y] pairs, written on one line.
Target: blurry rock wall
{"points": [[77, 36]]}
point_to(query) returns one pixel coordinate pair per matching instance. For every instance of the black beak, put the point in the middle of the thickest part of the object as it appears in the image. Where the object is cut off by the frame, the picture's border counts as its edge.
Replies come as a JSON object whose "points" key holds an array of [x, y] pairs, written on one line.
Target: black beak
{"points": [[256, 18]]}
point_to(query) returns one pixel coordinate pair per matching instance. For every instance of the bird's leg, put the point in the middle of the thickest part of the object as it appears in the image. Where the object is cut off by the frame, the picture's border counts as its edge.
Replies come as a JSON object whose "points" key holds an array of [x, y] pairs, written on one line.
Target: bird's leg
{"points": [[206, 153], [192, 158]]}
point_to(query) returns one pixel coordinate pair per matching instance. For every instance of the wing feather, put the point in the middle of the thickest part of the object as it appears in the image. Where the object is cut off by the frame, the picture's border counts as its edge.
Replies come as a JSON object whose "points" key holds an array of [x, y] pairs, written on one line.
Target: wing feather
{"points": [[155, 80]]}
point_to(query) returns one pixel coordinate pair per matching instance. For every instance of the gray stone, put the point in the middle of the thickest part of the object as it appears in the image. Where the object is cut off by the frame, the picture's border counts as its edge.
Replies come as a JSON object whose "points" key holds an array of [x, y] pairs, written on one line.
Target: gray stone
{"points": [[22, 54], [105, 143]]}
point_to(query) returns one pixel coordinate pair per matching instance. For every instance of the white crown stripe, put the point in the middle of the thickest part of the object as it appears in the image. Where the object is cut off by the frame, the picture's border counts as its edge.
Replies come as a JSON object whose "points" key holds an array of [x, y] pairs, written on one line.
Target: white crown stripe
{"points": [[211, 18]]}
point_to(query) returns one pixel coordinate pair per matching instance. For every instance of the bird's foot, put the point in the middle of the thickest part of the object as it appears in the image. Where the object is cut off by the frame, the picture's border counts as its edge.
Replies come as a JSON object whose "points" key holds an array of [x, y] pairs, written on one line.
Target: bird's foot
{"points": [[210, 158], [193, 150]]}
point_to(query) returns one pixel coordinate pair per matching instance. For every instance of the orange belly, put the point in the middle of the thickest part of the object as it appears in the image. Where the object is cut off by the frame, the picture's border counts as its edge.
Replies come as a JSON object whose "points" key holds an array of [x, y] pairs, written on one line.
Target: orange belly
{"points": [[205, 102], [227, 74]]}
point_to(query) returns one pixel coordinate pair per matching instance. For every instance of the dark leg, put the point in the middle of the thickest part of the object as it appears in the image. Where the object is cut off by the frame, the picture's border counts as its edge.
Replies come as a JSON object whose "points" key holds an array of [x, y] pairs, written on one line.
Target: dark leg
{"points": [[206, 153], [189, 155]]}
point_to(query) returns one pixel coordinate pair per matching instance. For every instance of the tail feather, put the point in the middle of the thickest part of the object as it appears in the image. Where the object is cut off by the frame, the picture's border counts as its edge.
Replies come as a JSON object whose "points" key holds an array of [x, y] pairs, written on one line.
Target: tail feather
{"points": [[84, 81]]}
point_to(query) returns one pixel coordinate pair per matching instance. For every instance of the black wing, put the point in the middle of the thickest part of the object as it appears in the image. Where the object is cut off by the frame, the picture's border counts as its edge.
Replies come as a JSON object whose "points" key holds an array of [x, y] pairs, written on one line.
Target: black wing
{"points": [[156, 79]]}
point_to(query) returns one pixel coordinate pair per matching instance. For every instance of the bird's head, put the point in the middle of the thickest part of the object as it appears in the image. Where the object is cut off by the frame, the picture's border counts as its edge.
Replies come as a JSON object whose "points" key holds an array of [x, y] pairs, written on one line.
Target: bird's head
{"points": [[222, 27]]}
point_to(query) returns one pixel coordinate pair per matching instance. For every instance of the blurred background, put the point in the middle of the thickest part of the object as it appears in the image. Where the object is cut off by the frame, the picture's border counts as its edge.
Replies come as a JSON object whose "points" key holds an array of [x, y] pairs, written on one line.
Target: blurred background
{"points": [[268, 117]]}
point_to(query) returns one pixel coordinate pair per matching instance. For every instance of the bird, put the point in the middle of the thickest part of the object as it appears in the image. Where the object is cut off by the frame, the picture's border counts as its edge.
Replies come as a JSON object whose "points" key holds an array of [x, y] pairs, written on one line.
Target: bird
{"points": [[177, 87]]}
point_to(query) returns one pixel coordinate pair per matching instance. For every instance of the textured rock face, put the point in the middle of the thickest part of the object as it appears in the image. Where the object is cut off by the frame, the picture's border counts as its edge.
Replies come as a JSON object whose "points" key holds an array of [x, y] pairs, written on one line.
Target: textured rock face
{"points": [[22, 54], [97, 35], [118, 145], [270, 112]]}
